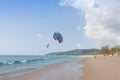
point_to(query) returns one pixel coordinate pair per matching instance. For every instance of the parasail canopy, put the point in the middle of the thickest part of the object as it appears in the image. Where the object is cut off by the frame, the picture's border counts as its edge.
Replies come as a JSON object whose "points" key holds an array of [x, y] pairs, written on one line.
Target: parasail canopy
{"points": [[58, 36]]}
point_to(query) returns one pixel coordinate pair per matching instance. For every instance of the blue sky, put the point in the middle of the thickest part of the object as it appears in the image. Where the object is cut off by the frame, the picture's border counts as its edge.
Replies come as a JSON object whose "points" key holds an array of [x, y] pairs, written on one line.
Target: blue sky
{"points": [[27, 26]]}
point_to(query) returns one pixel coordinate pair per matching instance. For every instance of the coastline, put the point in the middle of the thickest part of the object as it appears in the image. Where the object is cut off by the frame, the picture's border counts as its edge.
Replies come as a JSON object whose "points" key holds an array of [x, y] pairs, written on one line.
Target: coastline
{"points": [[67, 70], [102, 68], [89, 68]]}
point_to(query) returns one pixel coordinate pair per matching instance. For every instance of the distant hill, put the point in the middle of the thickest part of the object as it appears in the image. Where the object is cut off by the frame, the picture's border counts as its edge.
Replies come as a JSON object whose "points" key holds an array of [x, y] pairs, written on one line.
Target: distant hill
{"points": [[76, 52]]}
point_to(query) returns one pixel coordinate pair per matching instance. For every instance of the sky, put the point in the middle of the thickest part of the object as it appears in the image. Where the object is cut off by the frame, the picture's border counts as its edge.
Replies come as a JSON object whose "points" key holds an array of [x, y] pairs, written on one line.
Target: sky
{"points": [[27, 26]]}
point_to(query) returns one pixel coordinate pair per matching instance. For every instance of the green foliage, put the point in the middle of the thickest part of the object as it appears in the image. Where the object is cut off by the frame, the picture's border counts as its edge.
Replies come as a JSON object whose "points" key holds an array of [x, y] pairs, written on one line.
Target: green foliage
{"points": [[105, 50]]}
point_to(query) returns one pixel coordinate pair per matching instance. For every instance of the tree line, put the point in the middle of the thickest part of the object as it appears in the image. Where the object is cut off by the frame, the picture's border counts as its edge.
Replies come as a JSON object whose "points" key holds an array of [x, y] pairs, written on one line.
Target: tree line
{"points": [[106, 51]]}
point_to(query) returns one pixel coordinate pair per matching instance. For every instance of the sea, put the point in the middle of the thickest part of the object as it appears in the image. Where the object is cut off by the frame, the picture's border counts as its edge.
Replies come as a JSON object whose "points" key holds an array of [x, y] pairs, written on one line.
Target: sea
{"points": [[11, 63]]}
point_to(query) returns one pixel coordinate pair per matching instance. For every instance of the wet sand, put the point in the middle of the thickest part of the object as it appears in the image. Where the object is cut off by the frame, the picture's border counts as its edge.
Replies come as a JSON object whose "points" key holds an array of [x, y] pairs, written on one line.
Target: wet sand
{"points": [[102, 68], [69, 70]]}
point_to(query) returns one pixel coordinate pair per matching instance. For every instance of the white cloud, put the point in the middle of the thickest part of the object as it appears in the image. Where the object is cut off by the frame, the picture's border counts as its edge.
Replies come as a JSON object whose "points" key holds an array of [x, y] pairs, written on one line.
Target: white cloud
{"points": [[62, 3], [103, 23], [77, 4], [39, 36], [78, 28], [102, 19], [78, 45]]}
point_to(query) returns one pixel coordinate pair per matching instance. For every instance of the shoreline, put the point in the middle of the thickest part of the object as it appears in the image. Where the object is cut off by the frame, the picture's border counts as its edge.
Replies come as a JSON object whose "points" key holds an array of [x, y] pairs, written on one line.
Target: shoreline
{"points": [[16, 63], [67, 70], [101, 68]]}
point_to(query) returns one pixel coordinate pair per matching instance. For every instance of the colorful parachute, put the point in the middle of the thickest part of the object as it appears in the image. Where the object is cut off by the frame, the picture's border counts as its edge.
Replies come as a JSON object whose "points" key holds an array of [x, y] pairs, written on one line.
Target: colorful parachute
{"points": [[58, 36]]}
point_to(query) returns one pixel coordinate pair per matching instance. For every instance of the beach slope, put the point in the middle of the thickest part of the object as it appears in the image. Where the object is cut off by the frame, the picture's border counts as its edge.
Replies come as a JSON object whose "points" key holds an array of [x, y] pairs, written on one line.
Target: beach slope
{"points": [[102, 68]]}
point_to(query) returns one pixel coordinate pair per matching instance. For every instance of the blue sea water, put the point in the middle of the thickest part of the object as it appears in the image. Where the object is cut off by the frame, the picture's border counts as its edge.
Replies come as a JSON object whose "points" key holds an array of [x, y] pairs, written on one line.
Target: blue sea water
{"points": [[11, 63]]}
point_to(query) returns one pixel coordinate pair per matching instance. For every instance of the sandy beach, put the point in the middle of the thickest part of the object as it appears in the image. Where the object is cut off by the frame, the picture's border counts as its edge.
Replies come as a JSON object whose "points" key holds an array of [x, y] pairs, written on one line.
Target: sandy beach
{"points": [[102, 68], [68, 70]]}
